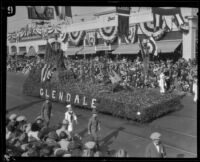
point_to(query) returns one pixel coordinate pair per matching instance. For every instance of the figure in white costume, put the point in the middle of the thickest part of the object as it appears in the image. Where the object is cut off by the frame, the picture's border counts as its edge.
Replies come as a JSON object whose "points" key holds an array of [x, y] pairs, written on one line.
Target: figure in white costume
{"points": [[194, 89], [71, 117], [162, 83]]}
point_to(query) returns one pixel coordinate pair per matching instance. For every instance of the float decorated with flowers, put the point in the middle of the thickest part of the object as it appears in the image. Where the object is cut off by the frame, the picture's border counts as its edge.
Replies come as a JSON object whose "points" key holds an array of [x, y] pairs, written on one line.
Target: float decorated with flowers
{"points": [[97, 84]]}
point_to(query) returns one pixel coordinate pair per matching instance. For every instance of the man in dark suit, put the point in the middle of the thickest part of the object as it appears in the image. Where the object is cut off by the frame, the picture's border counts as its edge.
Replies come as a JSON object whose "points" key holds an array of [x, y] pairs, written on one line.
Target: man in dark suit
{"points": [[155, 149], [94, 127], [46, 112]]}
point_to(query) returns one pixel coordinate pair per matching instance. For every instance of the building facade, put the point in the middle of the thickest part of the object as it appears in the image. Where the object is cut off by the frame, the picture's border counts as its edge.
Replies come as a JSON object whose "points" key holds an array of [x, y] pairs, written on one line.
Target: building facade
{"points": [[170, 27]]}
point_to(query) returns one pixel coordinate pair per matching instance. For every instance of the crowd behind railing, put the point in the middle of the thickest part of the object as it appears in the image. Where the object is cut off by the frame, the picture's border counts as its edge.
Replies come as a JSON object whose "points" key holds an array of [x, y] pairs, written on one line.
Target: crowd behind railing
{"points": [[38, 140]]}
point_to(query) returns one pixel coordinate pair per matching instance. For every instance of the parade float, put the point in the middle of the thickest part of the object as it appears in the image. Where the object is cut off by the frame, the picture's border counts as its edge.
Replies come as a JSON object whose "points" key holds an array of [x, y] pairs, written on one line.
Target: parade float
{"points": [[95, 91], [57, 80]]}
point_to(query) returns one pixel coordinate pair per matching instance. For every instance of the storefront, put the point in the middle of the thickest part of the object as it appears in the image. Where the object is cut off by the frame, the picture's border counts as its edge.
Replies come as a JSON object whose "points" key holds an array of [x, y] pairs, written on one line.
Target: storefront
{"points": [[100, 36]]}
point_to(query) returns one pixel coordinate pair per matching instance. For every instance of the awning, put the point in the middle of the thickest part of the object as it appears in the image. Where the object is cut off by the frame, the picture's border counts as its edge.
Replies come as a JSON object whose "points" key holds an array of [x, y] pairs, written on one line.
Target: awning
{"points": [[21, 53], [72, 51], [41, 52], [87, 50], [31, 52], [127, 49], [12, 53], [167, 46]]}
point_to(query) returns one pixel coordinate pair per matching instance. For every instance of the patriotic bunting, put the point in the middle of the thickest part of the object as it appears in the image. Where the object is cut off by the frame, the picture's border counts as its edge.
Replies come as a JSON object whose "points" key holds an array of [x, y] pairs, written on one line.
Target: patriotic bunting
{"points": [[76, 37], [108, 33]]}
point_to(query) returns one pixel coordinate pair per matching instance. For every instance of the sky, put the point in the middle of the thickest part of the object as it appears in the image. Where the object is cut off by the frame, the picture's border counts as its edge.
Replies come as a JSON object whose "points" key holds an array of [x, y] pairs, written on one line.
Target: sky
{"points": [[20, 19]]}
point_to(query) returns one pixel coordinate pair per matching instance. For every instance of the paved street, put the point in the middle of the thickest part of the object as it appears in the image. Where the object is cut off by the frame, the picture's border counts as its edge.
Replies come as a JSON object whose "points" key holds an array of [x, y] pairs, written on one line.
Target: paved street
{"points": [[178, 129]]}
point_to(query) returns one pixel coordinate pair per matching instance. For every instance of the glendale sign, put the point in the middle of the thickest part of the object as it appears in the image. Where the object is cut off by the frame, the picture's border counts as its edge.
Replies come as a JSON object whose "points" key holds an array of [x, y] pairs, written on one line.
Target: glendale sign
{"points": [[76, 99]]}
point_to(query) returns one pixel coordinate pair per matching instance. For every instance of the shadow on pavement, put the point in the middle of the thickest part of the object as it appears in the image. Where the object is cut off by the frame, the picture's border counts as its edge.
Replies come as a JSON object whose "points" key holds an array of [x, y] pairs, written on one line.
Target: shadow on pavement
{"points": [[106, 141], [180, 156], [24, 106], [81, 133]]}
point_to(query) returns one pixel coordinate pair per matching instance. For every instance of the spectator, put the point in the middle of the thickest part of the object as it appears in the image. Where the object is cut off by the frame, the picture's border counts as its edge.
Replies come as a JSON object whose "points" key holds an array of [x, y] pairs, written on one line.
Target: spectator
{"points": [[155, 148], [63, 128], [46, 111], [94, 127], [33, 133]]}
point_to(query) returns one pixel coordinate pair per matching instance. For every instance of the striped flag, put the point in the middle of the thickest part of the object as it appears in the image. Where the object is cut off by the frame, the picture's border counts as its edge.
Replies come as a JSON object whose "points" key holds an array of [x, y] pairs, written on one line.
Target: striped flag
{"points": [[46, 73], [43, 72]]}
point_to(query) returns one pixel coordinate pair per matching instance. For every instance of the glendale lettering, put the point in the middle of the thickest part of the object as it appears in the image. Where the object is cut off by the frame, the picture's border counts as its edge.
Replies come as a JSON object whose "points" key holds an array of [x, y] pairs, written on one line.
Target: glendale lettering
{"points": [[46, 94], [70, 98], [41, 92], [60, 96], [76, 99], [53, 94]]}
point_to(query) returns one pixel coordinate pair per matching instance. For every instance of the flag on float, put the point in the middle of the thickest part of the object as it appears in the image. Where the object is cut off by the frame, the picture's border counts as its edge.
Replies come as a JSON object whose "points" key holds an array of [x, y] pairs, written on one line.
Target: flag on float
{"points": [[48, 53], [43, 72], [46, 73], [145, 57], [64, 13], [114, 77], [153, 46]]}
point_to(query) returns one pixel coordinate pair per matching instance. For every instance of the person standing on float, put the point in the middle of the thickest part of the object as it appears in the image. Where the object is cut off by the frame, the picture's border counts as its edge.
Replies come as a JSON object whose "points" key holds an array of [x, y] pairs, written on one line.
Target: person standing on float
{"points": [[194, 89], [162, 82], [46, 111], [71, 118]]}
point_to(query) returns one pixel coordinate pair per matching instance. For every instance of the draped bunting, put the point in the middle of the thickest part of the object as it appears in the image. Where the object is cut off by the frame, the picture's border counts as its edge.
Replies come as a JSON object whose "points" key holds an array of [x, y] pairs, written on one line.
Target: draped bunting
{"points": [[147, 28], [54, 29], [108, 33], [76, 37]]}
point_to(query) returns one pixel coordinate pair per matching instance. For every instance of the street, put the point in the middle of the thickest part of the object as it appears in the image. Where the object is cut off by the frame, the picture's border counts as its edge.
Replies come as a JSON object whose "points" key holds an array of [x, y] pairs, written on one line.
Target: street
{"points": [[178, 129]]}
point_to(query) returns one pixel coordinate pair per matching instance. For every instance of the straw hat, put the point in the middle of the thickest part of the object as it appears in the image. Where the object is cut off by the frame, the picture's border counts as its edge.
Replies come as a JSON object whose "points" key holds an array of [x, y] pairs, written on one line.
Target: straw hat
{"points": [[21, 118], [155, 136], [69, 107], [13, 116], [90, 145]]}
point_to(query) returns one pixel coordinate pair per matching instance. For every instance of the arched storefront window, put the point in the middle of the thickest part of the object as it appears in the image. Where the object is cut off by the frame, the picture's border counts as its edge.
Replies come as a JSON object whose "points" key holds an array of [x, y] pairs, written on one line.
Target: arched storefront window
{"points": [[13, 51]]}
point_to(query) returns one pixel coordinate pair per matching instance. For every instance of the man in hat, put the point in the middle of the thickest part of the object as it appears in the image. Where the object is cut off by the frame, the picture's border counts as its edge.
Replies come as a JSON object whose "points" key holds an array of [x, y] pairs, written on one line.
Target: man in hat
{"points": [[94, 127], [155, 149], [46, 112], [71, 118]]}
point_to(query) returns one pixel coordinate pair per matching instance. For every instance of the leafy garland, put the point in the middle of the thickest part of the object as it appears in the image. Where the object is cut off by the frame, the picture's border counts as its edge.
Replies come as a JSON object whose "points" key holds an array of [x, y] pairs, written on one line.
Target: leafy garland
{"points": [[108, 33], [76, 37]]}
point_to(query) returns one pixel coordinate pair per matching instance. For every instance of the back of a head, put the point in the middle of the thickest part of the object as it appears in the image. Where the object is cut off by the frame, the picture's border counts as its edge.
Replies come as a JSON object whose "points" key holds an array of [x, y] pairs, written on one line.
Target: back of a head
{"points": [[121, 153], [35, 127]]}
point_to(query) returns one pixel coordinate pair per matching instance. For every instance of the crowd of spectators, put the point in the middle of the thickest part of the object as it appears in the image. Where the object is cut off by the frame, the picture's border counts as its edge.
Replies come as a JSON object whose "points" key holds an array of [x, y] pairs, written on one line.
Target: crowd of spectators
{"points": [[22, 65], [37, 140], [179, 74]]}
